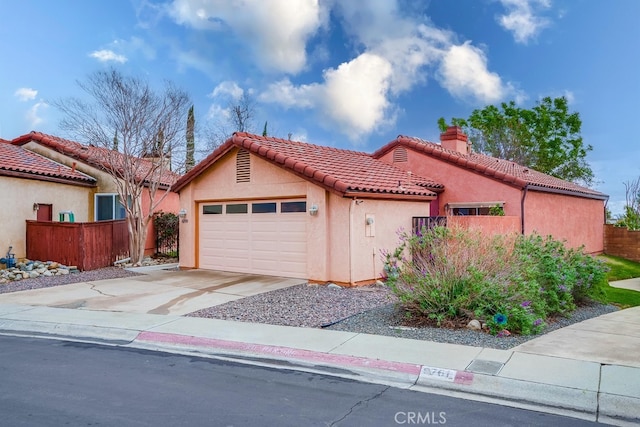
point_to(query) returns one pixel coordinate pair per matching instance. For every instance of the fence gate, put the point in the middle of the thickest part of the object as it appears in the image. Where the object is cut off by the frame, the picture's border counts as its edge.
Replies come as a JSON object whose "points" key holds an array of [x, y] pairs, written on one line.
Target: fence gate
{"points": [[167, 234]]}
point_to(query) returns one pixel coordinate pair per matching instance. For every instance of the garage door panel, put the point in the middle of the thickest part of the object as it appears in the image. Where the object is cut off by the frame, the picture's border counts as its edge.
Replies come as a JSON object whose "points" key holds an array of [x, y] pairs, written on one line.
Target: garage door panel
{"points": [[261, 243]]}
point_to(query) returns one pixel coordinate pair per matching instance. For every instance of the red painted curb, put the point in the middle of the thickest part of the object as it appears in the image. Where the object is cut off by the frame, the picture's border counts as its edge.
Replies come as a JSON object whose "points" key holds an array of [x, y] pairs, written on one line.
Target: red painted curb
{"points": [[293, 353]]}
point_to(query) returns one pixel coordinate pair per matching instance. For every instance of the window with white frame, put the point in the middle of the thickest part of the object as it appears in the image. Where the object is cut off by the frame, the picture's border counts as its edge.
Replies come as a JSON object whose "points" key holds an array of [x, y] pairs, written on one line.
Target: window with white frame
{"points": [[108, 206]]}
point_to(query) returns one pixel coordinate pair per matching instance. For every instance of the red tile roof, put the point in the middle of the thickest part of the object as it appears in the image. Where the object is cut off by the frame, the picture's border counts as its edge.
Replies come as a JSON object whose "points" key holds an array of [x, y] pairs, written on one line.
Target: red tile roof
{"points": [[503, 170], [95, 156], [16, 161], [345, 172]]}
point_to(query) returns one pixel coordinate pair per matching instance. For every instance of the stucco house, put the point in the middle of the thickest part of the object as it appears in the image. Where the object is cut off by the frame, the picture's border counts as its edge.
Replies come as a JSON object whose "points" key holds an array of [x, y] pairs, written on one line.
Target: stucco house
{"points": [[474, 183], [37, 188], [277, 207], [102, 203], [271, 206]]}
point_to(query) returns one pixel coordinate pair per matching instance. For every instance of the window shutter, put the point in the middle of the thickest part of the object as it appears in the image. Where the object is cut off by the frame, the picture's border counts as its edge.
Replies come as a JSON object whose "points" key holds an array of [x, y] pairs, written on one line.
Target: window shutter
{"points": [[243, 167]]}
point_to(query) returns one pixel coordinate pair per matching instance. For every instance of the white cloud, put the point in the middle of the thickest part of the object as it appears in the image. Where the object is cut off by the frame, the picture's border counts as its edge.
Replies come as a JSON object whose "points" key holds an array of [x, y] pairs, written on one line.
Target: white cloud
{"points": [[277, 31], [26, 94], [396, 50], [522, 18], [464, 74], [33, 115], [216, 112], [283, 92], [106, 55], [227, 88], [353, 96]]}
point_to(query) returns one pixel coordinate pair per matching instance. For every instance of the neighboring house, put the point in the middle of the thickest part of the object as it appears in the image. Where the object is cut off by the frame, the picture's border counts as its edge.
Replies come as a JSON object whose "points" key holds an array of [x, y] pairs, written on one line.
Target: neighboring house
{"points": [[103, 203], [37, 188], [276, 207], [475, 182]]}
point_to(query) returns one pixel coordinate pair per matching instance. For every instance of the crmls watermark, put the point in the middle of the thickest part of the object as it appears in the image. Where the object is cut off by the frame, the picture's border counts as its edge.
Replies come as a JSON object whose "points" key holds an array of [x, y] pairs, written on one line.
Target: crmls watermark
{"points": [[420, 418]]}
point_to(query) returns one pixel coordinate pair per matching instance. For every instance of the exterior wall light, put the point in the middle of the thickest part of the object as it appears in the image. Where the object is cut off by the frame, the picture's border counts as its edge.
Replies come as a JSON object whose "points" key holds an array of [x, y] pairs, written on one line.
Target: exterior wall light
{"points": [[182, 214], [313, 210]]}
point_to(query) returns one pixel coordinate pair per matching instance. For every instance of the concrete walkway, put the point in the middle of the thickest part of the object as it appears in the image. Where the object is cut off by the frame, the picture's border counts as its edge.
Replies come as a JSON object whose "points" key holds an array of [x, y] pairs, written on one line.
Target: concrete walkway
{"points": [[158, 291], [590, 370]]}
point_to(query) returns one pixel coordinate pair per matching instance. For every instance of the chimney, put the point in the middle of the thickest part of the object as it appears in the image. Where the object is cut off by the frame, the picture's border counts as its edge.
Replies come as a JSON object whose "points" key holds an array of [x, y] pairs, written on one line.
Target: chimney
{"points": [[454, 139]]}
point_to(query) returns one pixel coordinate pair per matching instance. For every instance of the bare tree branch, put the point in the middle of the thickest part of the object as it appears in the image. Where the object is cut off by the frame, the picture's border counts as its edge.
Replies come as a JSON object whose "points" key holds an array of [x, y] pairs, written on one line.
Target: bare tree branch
{"points": [[147, 124]]}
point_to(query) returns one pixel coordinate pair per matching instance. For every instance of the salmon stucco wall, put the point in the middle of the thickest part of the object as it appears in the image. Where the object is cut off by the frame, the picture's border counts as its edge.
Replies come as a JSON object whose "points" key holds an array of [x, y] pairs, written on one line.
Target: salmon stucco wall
{"points": [[577, 220], [22, 194], [460, 185], [488, 225], [355, 247]]}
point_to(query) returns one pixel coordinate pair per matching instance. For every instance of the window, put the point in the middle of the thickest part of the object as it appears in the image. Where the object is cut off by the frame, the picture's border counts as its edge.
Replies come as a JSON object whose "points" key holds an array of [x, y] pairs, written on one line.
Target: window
{"points": [[258, 208], [288, 207], [473, 208], [471, 211], [108, 206], [240, 208], [212, 209]]}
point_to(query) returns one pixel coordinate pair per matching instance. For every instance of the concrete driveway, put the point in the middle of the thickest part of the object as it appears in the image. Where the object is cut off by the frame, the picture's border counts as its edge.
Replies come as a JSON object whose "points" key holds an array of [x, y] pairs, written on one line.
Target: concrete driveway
{"points": [[157, 292]]}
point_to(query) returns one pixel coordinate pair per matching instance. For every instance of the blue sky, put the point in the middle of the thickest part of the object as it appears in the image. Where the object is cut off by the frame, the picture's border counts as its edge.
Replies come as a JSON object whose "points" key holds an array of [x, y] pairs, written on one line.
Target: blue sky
{"points": [[351, 74]]}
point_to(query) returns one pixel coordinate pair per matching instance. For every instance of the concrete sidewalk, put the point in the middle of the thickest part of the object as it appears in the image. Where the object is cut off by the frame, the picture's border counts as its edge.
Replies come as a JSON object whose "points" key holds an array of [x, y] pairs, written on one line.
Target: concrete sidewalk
{"points": [[595, 390]]}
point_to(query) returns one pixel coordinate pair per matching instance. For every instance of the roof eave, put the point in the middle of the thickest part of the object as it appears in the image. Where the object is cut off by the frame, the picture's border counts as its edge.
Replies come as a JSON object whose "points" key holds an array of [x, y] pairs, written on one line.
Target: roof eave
{"points": [[48, 178], [541, 188], [388, 196]]}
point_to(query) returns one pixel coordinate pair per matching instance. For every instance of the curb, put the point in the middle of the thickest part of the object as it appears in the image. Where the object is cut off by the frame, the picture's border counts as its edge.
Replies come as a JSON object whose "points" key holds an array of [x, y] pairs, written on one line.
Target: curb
{"points": [[402, 375], [588, 405]]}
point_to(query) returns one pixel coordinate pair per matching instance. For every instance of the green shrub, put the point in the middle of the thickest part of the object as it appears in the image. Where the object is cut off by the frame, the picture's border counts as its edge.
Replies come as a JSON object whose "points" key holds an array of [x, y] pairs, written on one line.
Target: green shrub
{"points": [[511, 283]]}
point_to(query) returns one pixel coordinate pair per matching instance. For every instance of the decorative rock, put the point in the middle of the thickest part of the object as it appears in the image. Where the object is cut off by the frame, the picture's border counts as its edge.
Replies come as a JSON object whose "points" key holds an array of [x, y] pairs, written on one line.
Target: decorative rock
{"points": [[41, 270], [333, 286], [34, 274], [47, 273], [474, 325], [25, 275], [53, 266], [63, 271], [380, 283]]}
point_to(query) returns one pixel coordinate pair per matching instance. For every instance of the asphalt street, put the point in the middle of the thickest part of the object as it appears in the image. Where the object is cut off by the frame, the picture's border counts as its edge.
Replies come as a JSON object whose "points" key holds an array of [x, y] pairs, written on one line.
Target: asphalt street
{"points": [[51, 383]]}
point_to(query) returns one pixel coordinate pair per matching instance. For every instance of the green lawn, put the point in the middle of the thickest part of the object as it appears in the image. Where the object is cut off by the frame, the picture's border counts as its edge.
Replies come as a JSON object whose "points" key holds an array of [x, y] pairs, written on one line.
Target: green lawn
{"points": [[620, 269]]}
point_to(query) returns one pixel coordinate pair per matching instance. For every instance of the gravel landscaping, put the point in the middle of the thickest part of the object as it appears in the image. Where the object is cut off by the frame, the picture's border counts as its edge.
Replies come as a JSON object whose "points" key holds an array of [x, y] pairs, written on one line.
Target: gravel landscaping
{"points": [[370, 309], [49, 281]]}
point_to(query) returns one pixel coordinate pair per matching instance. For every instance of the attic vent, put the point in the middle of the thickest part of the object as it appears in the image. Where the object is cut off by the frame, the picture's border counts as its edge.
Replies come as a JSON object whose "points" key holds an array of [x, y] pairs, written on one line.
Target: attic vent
{"points": [[400, 155], [243, 167]]}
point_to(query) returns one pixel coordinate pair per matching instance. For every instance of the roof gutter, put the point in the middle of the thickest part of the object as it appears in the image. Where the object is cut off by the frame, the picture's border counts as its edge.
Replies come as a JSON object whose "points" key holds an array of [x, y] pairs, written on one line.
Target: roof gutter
{"points": [[567, 192]]}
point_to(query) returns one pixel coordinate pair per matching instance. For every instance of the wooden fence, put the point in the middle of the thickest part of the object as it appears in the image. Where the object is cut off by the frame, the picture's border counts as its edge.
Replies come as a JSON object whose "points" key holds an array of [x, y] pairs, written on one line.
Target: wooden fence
{"points": [[618, 241], [87, 245]]}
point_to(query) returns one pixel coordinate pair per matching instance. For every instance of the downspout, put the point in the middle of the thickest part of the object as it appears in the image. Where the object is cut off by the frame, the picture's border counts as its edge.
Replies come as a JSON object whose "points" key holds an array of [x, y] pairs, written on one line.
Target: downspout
{"points": [[524, 196], [351, 239]]}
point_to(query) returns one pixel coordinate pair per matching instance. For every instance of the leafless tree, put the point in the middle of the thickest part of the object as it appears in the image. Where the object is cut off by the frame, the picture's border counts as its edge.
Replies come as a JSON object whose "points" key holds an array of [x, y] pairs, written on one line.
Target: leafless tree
{"points": [[148, 123], [631, 216], [238, 116]]}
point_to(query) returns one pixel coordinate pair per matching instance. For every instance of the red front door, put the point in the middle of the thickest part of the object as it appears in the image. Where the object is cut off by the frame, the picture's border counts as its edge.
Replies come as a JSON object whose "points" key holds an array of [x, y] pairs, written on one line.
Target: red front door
{"points": [[45, 212]]}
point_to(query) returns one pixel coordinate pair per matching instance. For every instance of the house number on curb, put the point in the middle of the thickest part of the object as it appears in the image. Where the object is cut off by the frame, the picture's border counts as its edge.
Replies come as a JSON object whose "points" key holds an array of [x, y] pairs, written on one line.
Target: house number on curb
{"points": [[438, 373], [449, 375]]}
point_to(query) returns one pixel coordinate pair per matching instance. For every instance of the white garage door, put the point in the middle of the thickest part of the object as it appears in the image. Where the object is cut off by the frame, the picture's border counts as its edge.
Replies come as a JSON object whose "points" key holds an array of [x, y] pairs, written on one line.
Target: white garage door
{"points": [[260, 237]]}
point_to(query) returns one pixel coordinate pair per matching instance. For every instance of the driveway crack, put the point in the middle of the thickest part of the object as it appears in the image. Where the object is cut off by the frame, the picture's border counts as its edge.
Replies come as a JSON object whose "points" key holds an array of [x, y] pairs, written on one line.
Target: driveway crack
{"points": [[93, 288], [362, 402]]}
